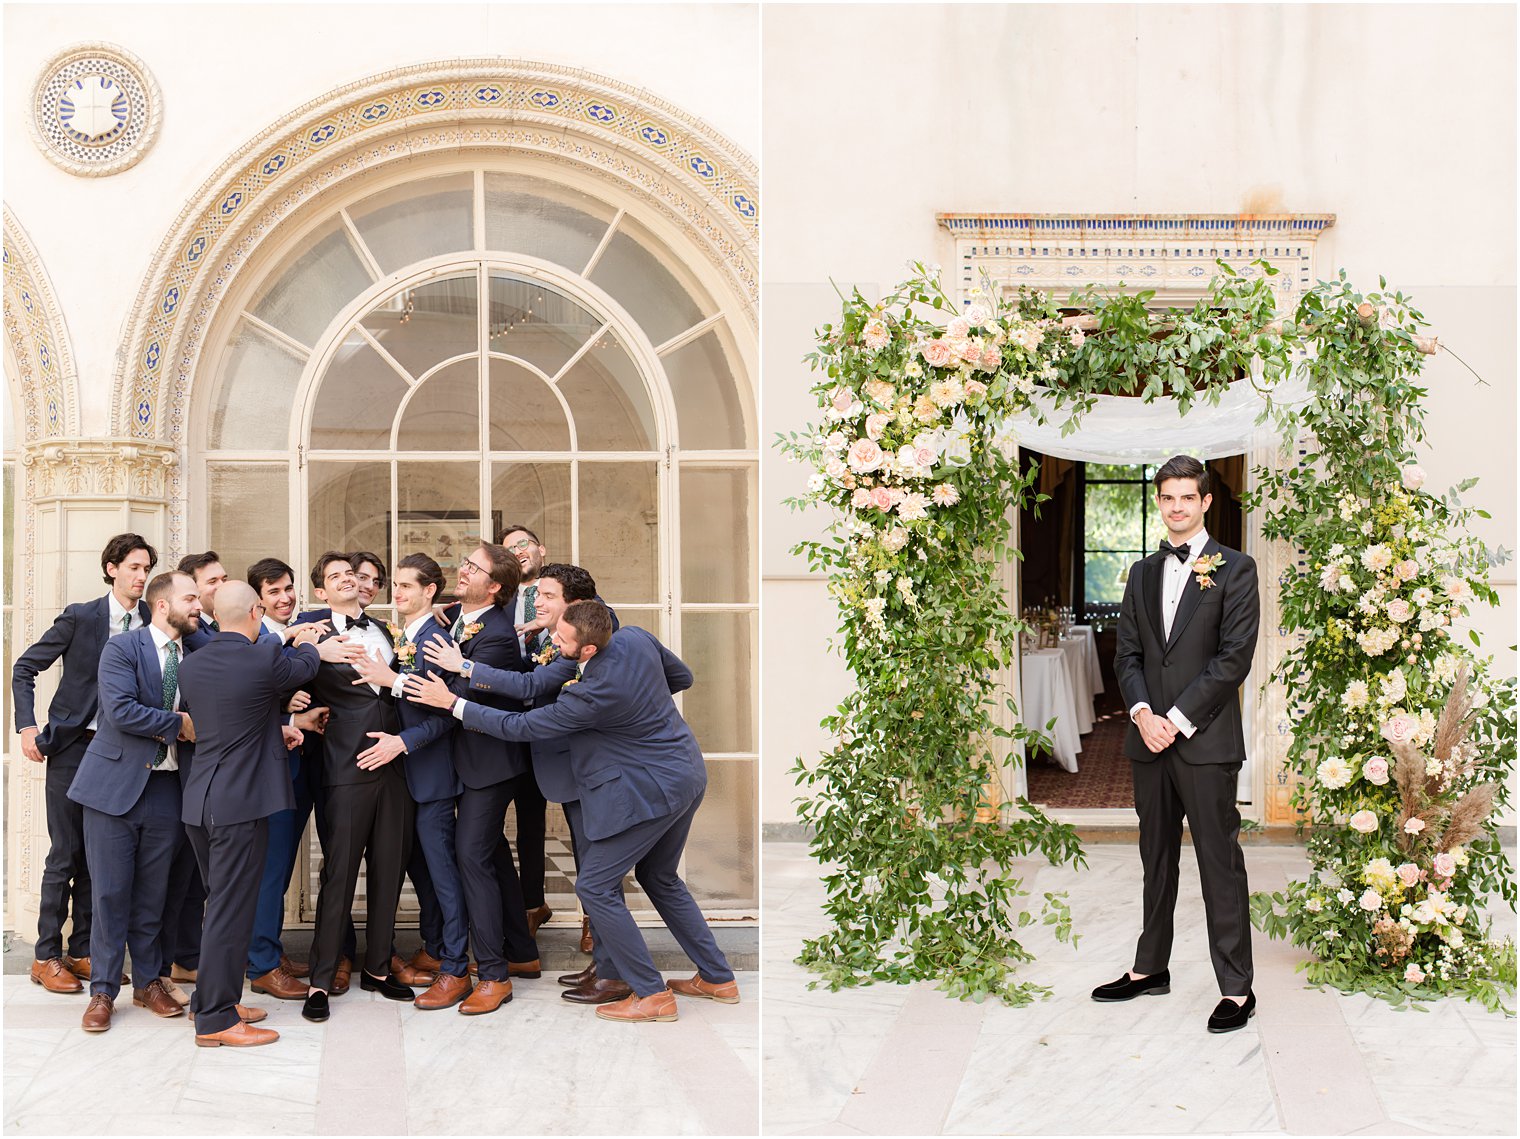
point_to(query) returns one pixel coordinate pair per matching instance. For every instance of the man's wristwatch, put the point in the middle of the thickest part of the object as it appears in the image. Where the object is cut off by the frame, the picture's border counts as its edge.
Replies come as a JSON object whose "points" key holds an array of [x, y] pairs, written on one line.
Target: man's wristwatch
{"points": [[466, 668]]}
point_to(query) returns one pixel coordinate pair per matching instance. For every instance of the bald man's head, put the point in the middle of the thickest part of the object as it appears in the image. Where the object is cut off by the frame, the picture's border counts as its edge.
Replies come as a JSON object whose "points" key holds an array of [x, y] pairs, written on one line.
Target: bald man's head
{"points": [[235, 609]]}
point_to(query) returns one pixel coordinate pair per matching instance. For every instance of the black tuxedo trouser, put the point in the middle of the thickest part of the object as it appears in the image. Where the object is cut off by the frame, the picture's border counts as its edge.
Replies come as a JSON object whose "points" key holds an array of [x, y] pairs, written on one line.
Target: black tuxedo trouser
{"points": [[312, 762], [131, 855], [65, 872], [492, 894], [231, 859], [532, 823], [652, 850], [369, 823], [1166, 791]]}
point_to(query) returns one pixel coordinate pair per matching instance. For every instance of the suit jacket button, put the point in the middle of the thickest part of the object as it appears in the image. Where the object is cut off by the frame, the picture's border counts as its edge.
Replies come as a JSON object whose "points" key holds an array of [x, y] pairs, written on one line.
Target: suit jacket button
{"points": [[1166, 664]]}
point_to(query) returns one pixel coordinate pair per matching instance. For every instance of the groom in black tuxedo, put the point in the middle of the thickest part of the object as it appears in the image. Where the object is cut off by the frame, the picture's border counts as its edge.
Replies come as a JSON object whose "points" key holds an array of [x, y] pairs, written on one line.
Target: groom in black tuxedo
{"points": [[1187, 632]]}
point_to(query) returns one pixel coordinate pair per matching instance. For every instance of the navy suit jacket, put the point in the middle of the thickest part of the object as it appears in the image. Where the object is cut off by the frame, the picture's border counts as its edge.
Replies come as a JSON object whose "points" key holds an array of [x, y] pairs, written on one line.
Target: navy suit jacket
{"points": [[633, 756], [551, 758], [236, 688], [133, 723], [427, 732], [481, 760], [78, 635]]}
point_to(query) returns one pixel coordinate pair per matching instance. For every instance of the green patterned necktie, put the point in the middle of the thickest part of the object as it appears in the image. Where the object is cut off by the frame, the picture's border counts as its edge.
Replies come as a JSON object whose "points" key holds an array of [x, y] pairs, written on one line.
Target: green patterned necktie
{"points": [[530, 611], [126, 622], [171, 683], [458, 624]]}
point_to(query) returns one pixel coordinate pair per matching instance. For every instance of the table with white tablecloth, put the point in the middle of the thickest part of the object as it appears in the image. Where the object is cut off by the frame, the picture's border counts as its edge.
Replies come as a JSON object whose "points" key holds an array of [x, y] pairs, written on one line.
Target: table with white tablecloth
{"points": [[1060, 683]]}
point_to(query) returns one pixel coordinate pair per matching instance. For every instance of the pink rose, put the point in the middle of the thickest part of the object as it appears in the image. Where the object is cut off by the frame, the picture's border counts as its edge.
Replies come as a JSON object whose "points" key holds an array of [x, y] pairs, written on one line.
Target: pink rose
{"points": [[1414, 476], [1406, 569], [861, 498], [971, 353], [1363, 822], [1400, 728], [835, 468], [842, 400], [876, 423], [881, 498], [923, 456], [1445, 864], [937, 354], [1375, 771], [1408, 873], [992, 356], [1398, 610], [1414, 826], [958, 328], [865, 455]]}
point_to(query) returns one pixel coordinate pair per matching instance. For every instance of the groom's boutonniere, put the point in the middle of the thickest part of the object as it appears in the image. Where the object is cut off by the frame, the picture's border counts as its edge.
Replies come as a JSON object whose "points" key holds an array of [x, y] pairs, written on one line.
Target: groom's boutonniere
{"points": [[469, 631], [546, 654], [1204, 569]]}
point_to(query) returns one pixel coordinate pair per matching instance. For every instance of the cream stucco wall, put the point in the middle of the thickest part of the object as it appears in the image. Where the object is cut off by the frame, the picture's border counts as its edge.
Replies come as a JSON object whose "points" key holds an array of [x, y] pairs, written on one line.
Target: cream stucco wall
{"points": [[1399, 120], [227, 71]]}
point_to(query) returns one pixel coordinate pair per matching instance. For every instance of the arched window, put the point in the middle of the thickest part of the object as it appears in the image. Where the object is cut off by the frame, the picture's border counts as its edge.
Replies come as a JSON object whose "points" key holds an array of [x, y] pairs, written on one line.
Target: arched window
{"points": [[422, 362]]}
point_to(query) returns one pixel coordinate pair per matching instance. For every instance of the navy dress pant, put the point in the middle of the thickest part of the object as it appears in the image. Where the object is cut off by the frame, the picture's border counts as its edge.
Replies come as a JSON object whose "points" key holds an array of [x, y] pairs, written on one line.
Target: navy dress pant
{"points": [[65, 872]]}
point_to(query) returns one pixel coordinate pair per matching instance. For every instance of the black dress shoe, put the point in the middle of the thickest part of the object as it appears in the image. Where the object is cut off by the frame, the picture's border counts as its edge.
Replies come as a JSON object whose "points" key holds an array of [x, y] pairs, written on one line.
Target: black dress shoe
{"points": [[315, 1006], [387, 987], [1228, 1016], [1125, 989]]}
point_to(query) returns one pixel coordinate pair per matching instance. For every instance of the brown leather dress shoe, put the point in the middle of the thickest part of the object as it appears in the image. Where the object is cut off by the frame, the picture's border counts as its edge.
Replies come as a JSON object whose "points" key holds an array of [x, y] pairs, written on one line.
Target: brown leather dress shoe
{"points": [[487, 997], [281, 985], [725, 992], [55, 977], [295, 968], [183, 976], [407, 974], [529, 970], [586, 936], [156, 999], [537, 916], [240, 1035], [341, 977], [79, 966], [97, 1018], [445, 992], [575, 980], [598, 992], [636, 1009], [250, 1015], [425, 962]]}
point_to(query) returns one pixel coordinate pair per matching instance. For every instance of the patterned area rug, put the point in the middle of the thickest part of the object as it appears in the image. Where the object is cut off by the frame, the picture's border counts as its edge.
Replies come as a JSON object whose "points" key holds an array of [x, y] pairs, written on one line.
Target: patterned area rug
{"points": [[1102, 778]]}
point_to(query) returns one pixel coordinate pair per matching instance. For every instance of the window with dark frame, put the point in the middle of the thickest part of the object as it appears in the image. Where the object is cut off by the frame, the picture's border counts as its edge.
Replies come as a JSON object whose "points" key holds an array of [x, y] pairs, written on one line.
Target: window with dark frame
{"points": [[1116, 525]]}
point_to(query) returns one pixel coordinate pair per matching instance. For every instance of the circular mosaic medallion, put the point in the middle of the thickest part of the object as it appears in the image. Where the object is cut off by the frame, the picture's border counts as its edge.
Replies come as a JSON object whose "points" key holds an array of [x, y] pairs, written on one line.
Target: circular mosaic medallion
{"points": [[95, 109]]}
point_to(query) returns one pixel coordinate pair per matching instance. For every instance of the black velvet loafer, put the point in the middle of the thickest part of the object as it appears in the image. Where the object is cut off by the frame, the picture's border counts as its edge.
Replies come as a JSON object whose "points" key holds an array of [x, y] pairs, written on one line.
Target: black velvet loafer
{"points": [[1125, 989], [387, 987], [1228, 1016], [315, 1006]]}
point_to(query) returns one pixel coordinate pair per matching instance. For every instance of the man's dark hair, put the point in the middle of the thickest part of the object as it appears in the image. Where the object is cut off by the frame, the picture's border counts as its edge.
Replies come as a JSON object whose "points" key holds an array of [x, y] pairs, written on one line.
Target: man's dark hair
{"points": [[359, 557], [429, 572], [162, 585], [267, 571], [505, 570], [319, 571], [1184, 467], [192, 564], [501, 538], [576, 582], [119, 547], [592, 622]]}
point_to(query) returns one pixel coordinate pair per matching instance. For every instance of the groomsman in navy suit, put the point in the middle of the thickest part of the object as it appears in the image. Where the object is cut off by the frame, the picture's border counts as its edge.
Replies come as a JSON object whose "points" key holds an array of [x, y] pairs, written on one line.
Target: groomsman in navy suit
{"points": [[480, 622], [425, 740], [237, 685], [269, 969], [641, 777], [129, 786], [78, 635], [558, 585]]}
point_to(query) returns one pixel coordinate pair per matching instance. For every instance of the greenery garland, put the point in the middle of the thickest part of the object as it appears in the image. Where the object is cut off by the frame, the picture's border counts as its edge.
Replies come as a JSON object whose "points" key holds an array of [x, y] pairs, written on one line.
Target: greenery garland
{"points": [[916, 455]]}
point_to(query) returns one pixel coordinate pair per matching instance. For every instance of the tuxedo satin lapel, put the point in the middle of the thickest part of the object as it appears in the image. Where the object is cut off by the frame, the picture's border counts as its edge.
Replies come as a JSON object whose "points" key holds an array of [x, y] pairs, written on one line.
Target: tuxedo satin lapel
{"points": [[1150, 595], [1192, 594]]}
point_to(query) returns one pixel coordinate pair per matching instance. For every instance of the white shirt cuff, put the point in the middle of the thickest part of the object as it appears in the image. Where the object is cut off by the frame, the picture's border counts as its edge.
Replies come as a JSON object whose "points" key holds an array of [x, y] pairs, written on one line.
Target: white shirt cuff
{"points": [[398, 689], [1184, 725], [1135, 711], [458, 710]]}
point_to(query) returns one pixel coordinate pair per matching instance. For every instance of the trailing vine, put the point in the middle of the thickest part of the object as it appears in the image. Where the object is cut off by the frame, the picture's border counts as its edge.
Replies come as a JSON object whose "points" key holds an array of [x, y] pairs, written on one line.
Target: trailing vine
{"points": [[916, 457]]}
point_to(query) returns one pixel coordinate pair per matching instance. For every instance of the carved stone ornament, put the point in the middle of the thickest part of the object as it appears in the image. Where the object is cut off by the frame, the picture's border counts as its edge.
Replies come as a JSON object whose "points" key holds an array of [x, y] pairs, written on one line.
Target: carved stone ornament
{"points": [[95, 109], [107, 468]]}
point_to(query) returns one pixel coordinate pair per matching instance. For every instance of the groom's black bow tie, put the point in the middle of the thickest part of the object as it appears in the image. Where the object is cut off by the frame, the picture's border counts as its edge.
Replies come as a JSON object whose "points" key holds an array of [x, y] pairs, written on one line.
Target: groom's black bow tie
{"points": [[359, 622], [1182, 552]]}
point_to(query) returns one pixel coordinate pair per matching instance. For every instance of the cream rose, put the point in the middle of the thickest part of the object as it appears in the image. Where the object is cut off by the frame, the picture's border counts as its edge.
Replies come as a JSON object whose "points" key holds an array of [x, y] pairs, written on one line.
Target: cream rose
{"points": [[1370, 900], [1445, 864], [992, 356], [1363, 822], [937, 353], [876, 423], [1398, 610], [1409, 873], [1413, 476], [1375, 771], [1399, 728], [1414, 826], [861, 498], [1413, 973]]}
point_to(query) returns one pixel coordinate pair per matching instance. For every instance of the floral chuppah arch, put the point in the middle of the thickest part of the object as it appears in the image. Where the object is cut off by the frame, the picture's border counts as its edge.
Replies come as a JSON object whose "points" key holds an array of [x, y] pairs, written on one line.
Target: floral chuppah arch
{"points": [[917, 455]]}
